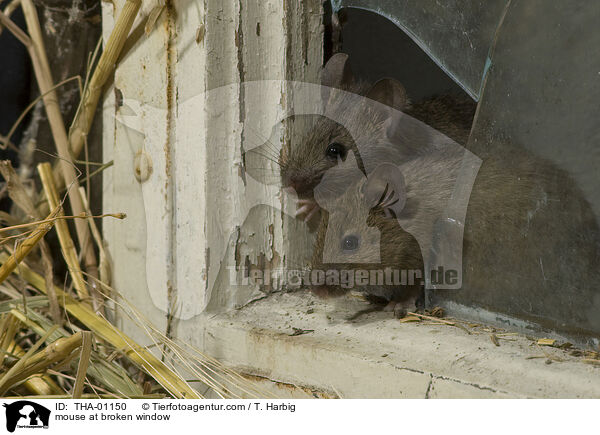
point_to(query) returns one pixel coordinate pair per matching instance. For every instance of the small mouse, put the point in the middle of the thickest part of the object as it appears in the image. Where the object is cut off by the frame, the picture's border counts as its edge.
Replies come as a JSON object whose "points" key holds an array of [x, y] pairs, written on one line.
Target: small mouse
{"points": [[364, 120], [380, 223], [530, 243]]}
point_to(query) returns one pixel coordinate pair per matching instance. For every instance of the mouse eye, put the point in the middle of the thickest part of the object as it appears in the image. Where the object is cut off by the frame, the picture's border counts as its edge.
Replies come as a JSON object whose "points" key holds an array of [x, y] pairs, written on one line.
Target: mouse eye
{"points": [[350, 243], [335, 150]]}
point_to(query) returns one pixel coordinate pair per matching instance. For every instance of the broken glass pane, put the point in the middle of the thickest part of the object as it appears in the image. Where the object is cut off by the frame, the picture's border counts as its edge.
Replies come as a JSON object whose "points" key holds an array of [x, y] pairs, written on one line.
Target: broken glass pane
{"points": [[456, 35]]}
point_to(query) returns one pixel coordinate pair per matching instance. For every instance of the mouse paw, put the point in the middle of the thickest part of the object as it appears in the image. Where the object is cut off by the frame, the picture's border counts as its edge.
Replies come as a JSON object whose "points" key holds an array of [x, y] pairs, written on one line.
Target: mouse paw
{"points": [[400, 309], [308, 208]]}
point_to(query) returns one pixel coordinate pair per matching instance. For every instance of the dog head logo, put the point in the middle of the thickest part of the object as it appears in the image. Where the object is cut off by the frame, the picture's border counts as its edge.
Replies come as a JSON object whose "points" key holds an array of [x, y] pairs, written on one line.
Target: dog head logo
{"points": [[26, 414], [297, 146]]}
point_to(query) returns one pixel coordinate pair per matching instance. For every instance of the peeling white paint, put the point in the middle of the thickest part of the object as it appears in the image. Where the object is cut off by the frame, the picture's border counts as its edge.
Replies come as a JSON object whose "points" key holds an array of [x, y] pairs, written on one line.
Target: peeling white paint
{"points": [[183, 106]]}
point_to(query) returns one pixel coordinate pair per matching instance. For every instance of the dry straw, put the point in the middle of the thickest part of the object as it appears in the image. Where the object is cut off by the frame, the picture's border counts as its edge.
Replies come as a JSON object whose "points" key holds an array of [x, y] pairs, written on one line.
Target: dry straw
{"points": [[52, 342]]}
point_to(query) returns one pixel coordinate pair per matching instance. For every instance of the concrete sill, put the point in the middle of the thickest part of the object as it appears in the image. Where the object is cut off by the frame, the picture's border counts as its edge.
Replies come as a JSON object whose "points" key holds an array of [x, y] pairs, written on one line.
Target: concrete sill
{"points": [[380, 357]]}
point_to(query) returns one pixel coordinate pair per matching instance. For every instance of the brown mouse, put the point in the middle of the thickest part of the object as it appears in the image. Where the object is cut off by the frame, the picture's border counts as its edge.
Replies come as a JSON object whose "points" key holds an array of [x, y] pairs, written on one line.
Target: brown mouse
{"points": [[530, 246], [364, 120]]}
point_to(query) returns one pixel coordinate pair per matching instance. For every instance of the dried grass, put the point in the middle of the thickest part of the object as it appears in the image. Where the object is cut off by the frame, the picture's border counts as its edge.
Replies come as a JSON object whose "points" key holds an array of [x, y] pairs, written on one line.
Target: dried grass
{"points": [[53, 343], [178, 365]]}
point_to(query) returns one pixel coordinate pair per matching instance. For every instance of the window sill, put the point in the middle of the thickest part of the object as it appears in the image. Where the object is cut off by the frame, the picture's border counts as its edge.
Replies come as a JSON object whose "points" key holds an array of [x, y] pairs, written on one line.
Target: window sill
{"points": [[380, 357]]}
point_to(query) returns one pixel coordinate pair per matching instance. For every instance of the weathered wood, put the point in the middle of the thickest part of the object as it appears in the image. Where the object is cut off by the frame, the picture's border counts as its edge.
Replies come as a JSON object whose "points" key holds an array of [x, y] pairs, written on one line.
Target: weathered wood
{"points": [[180, 108]]}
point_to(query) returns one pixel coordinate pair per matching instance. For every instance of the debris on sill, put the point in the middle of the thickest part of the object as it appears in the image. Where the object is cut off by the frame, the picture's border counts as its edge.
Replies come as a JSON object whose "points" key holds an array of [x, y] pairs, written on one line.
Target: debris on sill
{"points": [[434, 317], [299, 331]]}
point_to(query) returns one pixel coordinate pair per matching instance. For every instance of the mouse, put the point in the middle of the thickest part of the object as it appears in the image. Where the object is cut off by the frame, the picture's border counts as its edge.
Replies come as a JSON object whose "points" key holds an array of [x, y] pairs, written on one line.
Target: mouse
{"points": [[530, 242], [365, 120], [373, 225]]}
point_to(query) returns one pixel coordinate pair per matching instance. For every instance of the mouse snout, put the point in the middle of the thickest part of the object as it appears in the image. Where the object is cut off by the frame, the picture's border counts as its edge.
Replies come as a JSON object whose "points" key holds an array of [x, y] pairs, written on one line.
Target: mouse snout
{"points": [[300, 183]]}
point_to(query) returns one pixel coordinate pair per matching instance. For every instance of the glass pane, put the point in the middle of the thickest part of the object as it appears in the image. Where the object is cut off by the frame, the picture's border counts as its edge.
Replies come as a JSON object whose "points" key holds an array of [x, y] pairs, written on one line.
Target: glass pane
{"points": [[456, 34], [538, 113]]}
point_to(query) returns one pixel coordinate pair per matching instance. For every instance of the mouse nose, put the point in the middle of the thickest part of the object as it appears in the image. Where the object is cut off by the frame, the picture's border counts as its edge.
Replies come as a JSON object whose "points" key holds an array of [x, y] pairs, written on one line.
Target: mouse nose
{"points": [[297, 182]]}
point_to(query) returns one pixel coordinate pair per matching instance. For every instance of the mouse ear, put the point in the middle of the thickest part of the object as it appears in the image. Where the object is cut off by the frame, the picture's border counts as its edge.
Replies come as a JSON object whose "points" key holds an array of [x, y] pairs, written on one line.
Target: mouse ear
{"points": [[385, 188], [390, 92], [336, 74]]}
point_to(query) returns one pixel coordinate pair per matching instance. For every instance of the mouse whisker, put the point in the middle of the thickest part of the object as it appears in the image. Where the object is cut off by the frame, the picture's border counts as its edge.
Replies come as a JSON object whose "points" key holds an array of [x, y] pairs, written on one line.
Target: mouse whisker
{"points": [[267, 144], [267, 157], [268, 150]]}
